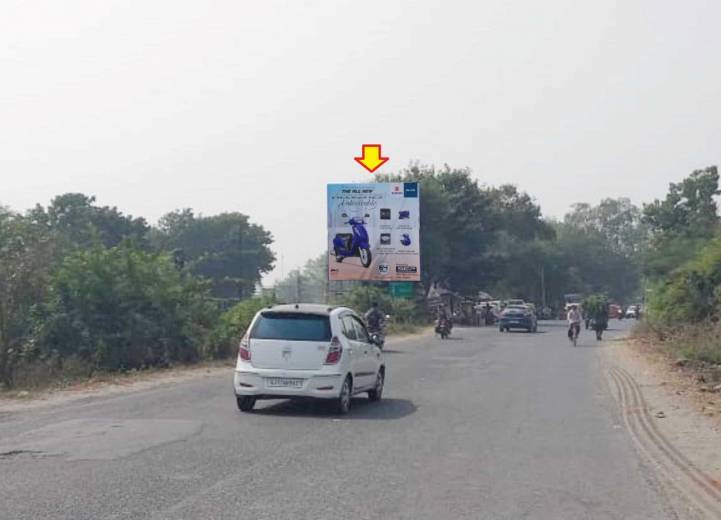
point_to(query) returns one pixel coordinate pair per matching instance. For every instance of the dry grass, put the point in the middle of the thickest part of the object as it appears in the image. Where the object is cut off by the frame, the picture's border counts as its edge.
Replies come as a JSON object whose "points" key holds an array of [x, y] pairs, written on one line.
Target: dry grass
{"points": [[41, 378], [696, 348]]}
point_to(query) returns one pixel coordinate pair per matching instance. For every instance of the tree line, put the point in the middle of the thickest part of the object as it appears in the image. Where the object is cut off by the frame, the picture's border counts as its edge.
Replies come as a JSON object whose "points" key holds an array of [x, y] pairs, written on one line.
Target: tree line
{"points": [[84, 285], [474, 237], [495, 239], [87, 285], [683, 268]]}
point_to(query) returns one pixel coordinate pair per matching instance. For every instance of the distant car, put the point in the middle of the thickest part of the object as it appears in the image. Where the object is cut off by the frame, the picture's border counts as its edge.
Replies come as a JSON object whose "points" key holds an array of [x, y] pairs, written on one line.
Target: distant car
{"points": [[518, 317], [614, 311], [510, 303], [308, 350], [632, 311]]}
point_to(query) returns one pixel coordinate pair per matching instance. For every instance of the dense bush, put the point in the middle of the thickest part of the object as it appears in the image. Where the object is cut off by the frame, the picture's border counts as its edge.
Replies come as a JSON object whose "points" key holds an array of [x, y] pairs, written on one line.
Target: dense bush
{"points": [[85, 287], [692, 293], [124, 308], [224, 339], [26, 255], [698, 342]]}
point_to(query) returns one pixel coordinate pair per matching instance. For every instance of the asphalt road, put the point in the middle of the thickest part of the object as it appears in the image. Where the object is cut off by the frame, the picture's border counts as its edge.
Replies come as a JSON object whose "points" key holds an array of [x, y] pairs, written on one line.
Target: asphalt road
{"points": [[485, 425]]}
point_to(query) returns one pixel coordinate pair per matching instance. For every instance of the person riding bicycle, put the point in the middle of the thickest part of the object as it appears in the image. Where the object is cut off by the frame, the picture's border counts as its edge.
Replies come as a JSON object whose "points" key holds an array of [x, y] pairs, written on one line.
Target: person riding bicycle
{"points": [[375, 318], [574, 318]]}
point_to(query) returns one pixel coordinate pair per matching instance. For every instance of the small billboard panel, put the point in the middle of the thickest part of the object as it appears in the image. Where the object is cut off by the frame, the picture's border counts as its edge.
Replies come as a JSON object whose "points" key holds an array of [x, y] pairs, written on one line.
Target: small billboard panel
{"points": [[374, 232]]}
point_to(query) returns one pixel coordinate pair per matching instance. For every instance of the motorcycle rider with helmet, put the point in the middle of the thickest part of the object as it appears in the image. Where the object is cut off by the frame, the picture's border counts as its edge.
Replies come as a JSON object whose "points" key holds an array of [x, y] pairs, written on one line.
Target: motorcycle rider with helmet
{"points": [[375, 319]]}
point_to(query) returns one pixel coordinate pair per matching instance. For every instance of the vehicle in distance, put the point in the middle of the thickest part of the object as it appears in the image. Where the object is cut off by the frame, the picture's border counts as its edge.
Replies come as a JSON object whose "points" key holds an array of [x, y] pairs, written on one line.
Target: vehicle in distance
{"points": [[518, 317], [632, 311], [515, 303], [308, 351]]}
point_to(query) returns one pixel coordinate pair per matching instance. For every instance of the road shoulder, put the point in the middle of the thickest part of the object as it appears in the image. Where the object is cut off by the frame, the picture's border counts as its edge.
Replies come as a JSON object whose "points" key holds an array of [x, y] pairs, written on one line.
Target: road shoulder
{"points": [[674, 425], [110, 385]]}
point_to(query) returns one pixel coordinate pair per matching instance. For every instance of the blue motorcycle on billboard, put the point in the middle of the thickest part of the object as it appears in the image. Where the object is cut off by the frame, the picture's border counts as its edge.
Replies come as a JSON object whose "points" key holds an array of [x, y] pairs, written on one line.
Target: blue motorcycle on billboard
{"points": [[355, 243], [374, 232]]}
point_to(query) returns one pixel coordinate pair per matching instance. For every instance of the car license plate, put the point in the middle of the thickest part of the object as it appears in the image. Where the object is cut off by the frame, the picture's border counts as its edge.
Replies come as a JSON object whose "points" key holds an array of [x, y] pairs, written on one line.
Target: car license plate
{"points": [[283, 382]]}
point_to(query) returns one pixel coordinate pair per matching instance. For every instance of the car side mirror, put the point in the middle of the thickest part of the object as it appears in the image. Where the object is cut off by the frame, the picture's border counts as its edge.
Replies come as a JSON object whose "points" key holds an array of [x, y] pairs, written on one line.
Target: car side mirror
{"points": [[344, 215], [375, 339]]}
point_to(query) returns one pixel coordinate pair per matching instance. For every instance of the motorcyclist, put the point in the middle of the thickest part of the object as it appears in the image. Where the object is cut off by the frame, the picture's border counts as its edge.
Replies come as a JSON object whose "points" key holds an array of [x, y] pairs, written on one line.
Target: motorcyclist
{"points": [[443, 319], [574, 318], [375, 318], [442, 313]]}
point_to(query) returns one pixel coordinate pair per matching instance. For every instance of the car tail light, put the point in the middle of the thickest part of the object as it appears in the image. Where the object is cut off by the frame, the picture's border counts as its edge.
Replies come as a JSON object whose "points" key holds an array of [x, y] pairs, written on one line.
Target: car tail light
{"points": [[334, 352], [244, 350]]}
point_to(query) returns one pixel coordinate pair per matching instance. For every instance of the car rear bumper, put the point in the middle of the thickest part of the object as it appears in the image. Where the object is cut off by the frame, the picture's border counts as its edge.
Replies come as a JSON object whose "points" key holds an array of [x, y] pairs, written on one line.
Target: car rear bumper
{"points": [[516, 324], [313, 384]]}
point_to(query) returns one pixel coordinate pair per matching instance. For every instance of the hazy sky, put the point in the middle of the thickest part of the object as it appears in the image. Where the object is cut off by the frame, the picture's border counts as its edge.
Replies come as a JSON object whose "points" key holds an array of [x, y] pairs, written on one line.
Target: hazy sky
{"points": [[254, 106]]}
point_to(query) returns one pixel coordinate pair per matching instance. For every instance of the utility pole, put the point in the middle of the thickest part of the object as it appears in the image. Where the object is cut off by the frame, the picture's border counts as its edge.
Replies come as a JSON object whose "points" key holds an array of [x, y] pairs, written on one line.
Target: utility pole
{"points": [[297, 287], [542, 273]]}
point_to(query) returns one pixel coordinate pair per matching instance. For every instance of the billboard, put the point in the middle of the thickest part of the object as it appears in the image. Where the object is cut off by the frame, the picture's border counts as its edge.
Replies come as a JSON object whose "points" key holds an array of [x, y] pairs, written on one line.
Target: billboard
{"points": [[374, 232]]}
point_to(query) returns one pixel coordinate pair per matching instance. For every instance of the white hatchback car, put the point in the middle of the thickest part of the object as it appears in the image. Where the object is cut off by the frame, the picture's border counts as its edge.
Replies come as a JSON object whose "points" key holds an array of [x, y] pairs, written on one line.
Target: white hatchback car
{"points": [[307, 350]]}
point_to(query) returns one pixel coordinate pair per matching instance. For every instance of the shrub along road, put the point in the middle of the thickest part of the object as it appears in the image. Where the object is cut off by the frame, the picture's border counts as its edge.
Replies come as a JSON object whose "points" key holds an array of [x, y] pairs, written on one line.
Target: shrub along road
{"points": [[485, 425]]}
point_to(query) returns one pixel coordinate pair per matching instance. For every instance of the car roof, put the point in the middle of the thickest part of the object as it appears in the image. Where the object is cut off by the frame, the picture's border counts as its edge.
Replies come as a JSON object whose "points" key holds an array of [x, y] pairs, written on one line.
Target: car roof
{"points": [[302, 308]]}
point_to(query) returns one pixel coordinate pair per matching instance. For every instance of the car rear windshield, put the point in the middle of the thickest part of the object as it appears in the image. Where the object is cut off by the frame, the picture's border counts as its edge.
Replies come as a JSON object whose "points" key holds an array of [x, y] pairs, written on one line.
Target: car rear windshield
{"points": [[292, 326]]}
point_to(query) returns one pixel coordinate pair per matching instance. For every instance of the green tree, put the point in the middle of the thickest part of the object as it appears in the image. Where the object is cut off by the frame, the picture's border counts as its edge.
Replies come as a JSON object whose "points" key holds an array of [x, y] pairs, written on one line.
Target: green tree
{"points": [[227, 249], [81, 224], [308, 284], [233, 323], [593, 266], [692, 293], [689, 209], [461, 222], [26, 253], [682, 223], [619, 221]]}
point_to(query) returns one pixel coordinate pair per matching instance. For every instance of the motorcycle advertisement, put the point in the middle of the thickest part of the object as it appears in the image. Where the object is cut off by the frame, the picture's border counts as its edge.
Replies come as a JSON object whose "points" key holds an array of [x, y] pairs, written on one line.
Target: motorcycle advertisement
{"points": [[374, 232]]}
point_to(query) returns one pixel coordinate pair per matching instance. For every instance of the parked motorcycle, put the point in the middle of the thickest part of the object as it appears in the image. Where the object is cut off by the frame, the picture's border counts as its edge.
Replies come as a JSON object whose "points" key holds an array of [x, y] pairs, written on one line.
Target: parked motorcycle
{"points": [[353, 244]]}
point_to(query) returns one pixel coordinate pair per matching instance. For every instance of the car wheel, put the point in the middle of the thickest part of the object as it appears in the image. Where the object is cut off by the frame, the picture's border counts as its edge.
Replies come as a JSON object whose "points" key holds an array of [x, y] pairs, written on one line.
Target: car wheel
{"points": [[500, 330], [377, 392], [342, 402], [245, 403]]}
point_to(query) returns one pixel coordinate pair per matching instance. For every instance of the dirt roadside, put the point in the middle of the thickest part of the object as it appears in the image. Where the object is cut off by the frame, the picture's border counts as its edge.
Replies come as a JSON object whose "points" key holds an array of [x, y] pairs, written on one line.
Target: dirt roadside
{"points": [[675, 424], [108, 385]]}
